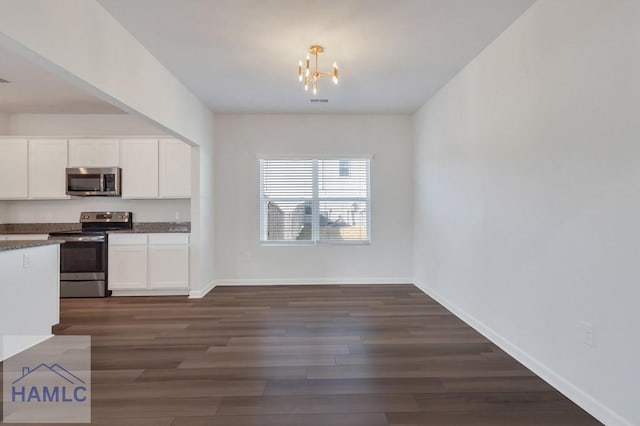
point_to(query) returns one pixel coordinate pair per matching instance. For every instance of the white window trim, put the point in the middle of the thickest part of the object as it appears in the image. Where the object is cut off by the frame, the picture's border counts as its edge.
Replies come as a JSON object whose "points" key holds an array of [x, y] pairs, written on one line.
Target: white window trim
{"points": [[315, 239], [315, 156]]}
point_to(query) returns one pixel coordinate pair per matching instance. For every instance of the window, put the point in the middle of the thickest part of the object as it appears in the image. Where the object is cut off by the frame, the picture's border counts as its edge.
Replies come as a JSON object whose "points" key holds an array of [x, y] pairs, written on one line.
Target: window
{"points": [[344, 167], [314, 200]]}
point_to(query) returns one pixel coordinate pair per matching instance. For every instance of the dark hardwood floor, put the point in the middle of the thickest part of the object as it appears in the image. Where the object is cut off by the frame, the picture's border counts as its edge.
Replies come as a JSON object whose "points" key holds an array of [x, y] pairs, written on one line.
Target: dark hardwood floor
{"points": [[303, 355]]}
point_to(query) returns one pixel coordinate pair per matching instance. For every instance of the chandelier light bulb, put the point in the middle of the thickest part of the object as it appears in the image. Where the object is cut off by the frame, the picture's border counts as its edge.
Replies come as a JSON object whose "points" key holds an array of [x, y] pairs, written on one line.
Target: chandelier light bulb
{"points": [[315, 86], [299, 70], [335, 73]]}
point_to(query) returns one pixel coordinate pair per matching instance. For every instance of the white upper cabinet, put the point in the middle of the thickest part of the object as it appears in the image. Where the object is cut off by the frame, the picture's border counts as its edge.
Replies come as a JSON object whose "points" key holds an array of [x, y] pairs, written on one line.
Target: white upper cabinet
{"points": [[175, 169], [14, 164], [151, 168], [47, 163], [94, 153], [139, 162]]}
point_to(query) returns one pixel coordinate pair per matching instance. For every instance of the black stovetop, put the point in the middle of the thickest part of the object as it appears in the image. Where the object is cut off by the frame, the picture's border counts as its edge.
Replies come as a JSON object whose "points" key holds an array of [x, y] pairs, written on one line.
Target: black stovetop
{"points": [[92, 230], [79, 232], [98, 223]]}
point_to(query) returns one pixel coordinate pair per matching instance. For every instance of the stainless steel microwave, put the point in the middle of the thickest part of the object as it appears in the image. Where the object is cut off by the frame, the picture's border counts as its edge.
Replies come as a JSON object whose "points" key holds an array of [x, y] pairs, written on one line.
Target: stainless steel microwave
{"points": [[101, 182]]}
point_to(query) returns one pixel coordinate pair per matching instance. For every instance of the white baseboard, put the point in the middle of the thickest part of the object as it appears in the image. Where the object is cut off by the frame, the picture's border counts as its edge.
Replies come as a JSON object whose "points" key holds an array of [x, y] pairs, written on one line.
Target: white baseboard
{"points": [[118, 293], [199, 294], [571, 391], [312, 281]]}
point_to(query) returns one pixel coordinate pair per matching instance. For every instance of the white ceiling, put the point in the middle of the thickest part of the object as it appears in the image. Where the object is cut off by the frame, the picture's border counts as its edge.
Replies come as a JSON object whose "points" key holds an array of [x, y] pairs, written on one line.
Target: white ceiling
{"points": [[242, 55], [31, 89]]}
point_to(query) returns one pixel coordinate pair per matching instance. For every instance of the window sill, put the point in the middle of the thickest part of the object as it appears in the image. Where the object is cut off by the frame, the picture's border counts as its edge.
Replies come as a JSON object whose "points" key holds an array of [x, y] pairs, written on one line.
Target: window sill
{"points": [[313, 243]]}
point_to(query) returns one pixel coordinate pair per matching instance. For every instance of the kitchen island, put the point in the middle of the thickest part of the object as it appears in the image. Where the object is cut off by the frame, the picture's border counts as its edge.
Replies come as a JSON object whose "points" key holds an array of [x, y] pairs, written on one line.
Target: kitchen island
{"points": [[29, 293]]}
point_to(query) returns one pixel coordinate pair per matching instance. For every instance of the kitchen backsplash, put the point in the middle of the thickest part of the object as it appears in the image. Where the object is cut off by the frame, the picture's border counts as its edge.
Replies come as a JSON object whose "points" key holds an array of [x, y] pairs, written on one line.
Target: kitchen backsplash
{"points": [[68, 211]]}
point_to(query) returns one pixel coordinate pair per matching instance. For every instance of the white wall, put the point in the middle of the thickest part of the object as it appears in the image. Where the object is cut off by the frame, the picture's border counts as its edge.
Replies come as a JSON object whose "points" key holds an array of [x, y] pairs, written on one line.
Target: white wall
{"points": [[527, 182], [239, 255], [4, 123], [4, 130], [203, 237], [67, 211], [79, 125]]}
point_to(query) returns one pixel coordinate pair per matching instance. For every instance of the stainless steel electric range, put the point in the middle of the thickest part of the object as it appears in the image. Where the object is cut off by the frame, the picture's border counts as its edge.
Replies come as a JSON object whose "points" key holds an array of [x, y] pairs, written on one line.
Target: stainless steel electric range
{"points": [[83, 256]]}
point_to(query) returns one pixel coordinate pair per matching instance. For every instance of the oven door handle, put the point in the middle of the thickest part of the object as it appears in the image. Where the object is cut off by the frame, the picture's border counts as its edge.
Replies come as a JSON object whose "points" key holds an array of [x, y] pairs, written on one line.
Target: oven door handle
{"points": [[98, 239]]}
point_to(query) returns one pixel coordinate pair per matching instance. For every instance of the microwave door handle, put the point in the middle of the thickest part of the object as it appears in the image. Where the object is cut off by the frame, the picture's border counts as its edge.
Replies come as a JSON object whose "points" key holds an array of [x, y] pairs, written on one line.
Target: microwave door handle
{"points": [[103, 178]]}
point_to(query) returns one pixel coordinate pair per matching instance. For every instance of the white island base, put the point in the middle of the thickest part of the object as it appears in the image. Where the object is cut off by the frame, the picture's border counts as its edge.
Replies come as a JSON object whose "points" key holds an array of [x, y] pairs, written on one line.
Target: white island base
{"points": [[29, 294]]}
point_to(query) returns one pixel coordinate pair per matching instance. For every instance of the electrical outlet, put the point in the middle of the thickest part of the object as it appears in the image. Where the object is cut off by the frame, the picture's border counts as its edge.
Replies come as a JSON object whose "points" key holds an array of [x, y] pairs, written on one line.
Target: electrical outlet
{"points": [[588, 334], [26, 261]]}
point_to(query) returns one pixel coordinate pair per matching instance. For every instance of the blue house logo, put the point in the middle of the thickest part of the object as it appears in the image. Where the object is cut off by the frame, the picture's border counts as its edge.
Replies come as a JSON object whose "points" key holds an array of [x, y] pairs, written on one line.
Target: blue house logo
{"points": [[48, 384]]}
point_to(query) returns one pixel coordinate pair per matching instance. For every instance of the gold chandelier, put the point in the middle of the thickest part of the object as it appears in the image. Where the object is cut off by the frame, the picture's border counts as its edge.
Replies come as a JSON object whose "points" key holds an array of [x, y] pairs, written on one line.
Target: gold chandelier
{"points": [[307, 75]]}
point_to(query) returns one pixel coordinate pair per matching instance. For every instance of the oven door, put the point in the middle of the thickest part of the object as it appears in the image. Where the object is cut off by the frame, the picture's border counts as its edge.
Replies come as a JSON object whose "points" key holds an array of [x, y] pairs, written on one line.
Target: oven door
{"points": [[83, 266]]}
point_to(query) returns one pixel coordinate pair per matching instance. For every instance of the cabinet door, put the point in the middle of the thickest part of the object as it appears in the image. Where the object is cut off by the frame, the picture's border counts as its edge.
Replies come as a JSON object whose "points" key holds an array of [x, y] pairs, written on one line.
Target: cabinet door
{"points": [[94, 152], [47, 163], [168, 267], [175, 169], [13, 169], [139, 162], [127, 267]]}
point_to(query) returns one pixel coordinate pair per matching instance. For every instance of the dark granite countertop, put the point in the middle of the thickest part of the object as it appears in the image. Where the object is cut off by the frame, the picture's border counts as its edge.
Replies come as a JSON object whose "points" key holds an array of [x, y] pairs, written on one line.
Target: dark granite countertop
{"points": [[158, 228], [22, 244], [139, 227], [36, 228]]}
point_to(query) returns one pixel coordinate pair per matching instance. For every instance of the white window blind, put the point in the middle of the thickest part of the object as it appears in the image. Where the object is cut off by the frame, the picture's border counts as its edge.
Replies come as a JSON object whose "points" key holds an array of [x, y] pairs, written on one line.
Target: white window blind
{"points": [[314, 200]]}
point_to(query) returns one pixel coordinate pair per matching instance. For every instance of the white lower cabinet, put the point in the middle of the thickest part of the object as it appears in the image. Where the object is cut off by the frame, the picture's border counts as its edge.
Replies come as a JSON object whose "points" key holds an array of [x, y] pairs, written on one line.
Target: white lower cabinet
{"points": [[147, 264], [169, 261], [127, 267]]}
